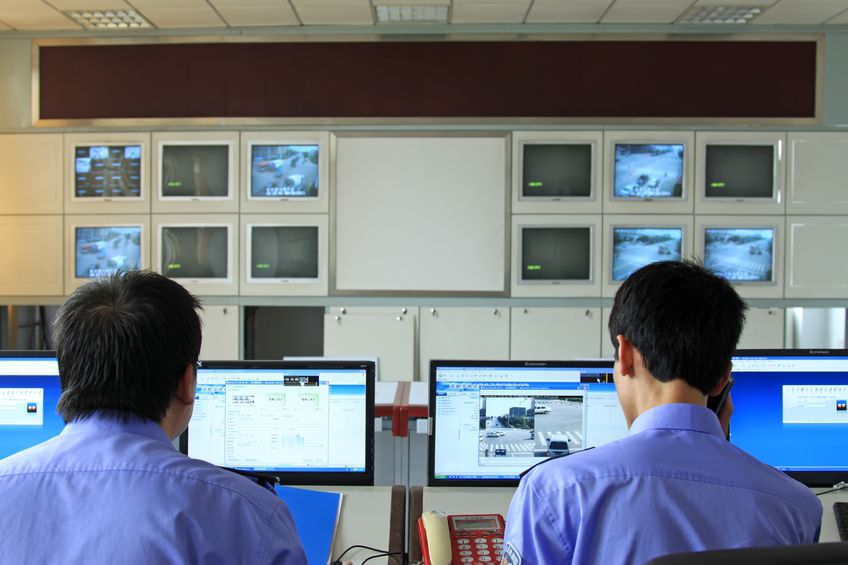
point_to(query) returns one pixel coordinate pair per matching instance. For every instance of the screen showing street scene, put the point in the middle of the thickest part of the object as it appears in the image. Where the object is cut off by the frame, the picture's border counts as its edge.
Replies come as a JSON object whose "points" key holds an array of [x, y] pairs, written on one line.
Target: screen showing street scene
{"points": [[740, 254], [556, 253], [645, 170], [284, 171], [195, 252], [739, 171], [284, 252], [103, 251], [561, 170], [107, 171], [529, 426], [633, 248], [195, 171]]}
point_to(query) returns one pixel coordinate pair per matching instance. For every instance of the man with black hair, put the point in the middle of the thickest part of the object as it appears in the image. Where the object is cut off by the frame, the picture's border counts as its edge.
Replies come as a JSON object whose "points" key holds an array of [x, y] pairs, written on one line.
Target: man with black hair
{"points": [[111, 488], [674, 484]]}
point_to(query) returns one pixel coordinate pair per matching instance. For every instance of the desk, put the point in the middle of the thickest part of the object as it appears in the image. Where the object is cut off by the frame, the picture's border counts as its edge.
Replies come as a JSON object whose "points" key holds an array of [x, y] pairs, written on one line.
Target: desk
{"points": [[828, 531]]}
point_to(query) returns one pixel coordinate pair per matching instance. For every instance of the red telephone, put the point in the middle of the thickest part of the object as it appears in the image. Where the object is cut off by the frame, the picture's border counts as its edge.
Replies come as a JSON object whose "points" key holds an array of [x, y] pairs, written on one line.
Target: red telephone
{"points": [[460, 539]]}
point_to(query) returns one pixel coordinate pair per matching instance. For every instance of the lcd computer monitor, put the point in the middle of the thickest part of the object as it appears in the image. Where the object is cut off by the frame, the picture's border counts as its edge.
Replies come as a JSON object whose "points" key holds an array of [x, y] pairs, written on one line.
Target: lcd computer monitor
{"points": [[29, 394], [107, 171], [309, 422], [741, 255], [195, 172], [195, 252], [493, 420], [790, 410], [556, 253], [634, 247], [101, 251], [556, 170], [284, 171], [648, 170], [740, 172], [282, 252]]}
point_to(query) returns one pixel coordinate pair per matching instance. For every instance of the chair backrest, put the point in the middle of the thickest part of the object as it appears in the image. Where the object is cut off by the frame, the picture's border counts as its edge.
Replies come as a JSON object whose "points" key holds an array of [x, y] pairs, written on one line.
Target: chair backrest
{"points": [[810, 554]]}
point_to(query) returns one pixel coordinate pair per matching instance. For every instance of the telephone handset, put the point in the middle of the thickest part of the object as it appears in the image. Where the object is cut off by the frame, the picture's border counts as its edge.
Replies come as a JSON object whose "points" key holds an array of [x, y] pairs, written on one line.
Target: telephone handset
{"points": [[461, 538]]}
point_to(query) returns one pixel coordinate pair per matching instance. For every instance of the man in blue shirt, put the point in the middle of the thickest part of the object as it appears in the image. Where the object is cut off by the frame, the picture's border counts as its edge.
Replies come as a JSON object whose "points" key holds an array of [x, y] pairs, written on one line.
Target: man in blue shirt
{"points": [[674, 484], [111, 488]]}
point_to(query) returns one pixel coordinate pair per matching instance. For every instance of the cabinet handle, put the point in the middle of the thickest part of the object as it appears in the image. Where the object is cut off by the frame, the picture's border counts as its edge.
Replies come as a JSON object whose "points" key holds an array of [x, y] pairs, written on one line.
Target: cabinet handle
{"points": [[342, 310], [338, 318], [399, 318], [525, 310], [588, 313], [432, 311], [403, 310], [495, 311]]}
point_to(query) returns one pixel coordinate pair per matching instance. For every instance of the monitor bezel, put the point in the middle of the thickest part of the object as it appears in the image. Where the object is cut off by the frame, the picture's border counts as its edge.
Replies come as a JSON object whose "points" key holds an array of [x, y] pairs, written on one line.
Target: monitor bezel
{"points": [[431, 443], [219, 285], [365, 478], [809, 478]]}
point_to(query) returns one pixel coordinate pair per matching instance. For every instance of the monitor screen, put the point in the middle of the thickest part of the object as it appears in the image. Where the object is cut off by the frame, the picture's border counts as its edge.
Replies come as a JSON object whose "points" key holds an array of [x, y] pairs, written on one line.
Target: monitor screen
{"points": [[739, 171], [492, 420], [556, 254], [284, 171], [107, 171], [648, 170], [635, 247], [740, 254], [195, 252], [104, 250], [790, 410], [29, 393], [561, 170], [308, 422], [195, 171], [284, 252]]}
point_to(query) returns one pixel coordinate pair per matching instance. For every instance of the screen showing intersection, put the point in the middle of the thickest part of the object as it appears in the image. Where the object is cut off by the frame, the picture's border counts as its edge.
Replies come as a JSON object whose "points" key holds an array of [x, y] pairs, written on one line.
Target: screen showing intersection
{"points": [[29, 392], [648, 170], [635, 247], [280, 420], [740, 254], [284, 171], [101, 251], [791, 409], [492, 422]]}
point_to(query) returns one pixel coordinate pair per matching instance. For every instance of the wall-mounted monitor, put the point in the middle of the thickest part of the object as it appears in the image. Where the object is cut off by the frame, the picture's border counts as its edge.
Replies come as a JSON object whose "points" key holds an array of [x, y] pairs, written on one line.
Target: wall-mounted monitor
{"points": [[107, 172], [555, 256], [648, 172], [740, 173], [198, 251], [195, 172], [556, 172], [286, 171], [284, 254], [101, 246]]}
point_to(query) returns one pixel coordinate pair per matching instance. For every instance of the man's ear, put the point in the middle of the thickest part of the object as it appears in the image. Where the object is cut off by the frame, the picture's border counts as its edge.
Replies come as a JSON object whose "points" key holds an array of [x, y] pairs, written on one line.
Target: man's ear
{"points": [[186, 385], [716, 390], [626, 356]]}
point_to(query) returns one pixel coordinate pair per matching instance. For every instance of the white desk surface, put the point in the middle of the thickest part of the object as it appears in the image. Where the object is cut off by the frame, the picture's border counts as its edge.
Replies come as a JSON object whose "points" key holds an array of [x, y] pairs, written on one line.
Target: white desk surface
{"points": [[828, 531]]}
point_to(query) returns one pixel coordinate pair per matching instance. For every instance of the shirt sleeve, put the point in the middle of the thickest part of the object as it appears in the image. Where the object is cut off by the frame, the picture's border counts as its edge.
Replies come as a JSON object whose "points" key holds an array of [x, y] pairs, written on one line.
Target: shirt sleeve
{"points": [[282, 542], [532, 530]]}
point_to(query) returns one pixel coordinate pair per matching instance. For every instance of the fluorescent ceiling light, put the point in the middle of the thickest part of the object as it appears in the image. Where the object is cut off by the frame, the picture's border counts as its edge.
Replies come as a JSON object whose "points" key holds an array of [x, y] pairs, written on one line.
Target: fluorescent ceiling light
{"points": [[108, 19], [412, 13], [720, 14]]}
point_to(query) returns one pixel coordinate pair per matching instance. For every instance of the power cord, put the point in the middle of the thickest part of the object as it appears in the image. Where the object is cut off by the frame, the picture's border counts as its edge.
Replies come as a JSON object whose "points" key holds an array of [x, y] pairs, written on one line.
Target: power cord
{"points": [[838, 486], [380, 553], [386, 554]]}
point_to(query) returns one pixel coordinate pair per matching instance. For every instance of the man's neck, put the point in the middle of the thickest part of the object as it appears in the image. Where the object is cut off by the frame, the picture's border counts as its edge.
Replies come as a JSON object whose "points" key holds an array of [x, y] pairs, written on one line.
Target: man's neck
{"points": [[653, 393]]}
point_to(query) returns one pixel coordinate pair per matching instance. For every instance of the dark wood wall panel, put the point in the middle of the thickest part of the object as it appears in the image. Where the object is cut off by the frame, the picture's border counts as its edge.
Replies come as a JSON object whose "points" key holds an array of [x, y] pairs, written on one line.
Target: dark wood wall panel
{"points": [[602, 79]]}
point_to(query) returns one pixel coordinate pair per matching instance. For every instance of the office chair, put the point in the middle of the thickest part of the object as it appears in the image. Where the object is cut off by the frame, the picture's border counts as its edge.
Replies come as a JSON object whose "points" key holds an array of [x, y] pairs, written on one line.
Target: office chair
{"points": [[809, 554]]}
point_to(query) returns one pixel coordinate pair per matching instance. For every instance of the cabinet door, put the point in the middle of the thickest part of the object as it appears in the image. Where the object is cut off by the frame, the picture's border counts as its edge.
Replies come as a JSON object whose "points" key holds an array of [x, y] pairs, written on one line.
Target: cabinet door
{"points": [[763, 329], [607, 350], [463, 333], [389, 337], [555, 333], [220, 333]]}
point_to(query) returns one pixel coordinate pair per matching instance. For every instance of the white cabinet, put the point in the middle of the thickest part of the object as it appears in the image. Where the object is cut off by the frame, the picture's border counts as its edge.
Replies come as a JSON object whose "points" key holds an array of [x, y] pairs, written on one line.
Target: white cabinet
{"points": [[31, 174], [555, 333], [763, 329], [463, 333], [816, 173], [220, 332], [31, 255], [816, 258]]}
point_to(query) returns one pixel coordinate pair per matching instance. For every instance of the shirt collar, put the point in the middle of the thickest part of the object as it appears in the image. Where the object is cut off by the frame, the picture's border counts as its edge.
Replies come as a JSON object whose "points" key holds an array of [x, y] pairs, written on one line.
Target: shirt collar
{"points": [[681, 416], [113, 421]]}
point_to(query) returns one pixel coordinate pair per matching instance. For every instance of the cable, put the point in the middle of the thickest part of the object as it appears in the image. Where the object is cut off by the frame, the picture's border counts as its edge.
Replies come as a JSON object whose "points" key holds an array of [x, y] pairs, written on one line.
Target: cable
{"points": [[338, 560], [384, 554], [838, 486]]}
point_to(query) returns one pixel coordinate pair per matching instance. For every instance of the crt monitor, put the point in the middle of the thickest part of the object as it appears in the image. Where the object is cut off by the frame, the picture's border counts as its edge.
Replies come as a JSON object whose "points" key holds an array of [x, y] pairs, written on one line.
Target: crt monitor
{"points": [[739, 171], [107, 171], [791, 411], [283, 252], [284, 171], [556, 170], [29, 394], [101, 251], [556, 253], [195, 252], [741, 255], [634, 247], [309, 422], [492, 420], [648, 170], [195, 171]]}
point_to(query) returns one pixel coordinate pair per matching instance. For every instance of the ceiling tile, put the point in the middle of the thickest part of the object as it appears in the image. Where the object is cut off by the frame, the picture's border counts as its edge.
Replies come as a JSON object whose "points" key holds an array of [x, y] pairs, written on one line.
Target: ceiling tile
{"points": [[259, 16], [488, 13], [164, 18], [323, 14], [411, 2], [808, 12], [644, 13], [169, 4], [571, 13], [651, 3], [250, 3], [4, 27], [37, 17], [90, 5], [525, 3], [734, 2], [841, 18]]}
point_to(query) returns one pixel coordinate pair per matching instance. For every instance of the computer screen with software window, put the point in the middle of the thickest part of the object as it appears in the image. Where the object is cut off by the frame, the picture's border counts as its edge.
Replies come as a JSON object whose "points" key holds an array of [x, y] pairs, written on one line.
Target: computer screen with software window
{"points": [[306, 422], [791, 411], [492, 420], [29, 393]]}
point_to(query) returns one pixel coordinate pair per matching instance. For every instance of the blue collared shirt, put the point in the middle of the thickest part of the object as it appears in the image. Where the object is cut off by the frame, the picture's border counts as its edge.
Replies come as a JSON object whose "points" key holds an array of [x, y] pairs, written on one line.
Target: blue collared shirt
{"points": [[107, 491], [674, 484]]}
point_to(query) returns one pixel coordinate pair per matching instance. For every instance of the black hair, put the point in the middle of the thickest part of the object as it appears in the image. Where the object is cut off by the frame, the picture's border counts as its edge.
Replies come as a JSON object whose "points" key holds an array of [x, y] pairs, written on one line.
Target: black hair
{"points": [[123, 343], [684, 320]]}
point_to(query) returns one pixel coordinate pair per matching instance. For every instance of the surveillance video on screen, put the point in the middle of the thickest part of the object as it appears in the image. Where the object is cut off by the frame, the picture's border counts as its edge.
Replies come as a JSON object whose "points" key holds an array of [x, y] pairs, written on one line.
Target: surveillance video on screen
{"points": [[195, 252], [648, 170], [103, 251], [284, 171], [107, 171], [740, 254], [195, 171], [635, 247]]}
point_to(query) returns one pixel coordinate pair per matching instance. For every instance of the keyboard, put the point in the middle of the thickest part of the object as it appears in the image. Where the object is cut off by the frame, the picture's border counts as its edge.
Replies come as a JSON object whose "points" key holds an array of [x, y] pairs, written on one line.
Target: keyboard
{"points": [[840, 511]]}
